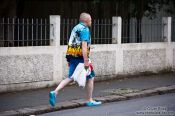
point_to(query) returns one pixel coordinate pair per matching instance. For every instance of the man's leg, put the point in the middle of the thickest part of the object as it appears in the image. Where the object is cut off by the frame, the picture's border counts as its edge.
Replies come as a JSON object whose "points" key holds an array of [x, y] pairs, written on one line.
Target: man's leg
{"points": [[53, 94], [62, 85], [66, 81], [90, 88]]}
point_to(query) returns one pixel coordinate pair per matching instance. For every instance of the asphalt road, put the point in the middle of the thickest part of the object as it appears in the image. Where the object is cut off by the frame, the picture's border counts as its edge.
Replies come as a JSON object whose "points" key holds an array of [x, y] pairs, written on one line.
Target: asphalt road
{"points": [[148, 106]]}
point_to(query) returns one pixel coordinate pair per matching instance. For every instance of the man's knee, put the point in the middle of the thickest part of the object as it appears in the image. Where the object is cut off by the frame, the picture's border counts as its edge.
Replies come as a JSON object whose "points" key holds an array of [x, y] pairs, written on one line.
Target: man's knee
{"points": [[90, 80]]}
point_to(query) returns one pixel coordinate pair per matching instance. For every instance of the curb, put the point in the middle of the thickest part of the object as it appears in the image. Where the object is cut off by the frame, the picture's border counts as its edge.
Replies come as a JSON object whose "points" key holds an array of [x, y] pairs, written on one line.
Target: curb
{"points": [[81, 102]]}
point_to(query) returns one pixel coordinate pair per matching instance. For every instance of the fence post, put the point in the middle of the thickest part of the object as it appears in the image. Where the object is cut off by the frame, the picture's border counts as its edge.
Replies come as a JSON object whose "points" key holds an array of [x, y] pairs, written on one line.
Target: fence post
{"points": [[54, 30], [167, 38], [116, 30], [167, 29]]}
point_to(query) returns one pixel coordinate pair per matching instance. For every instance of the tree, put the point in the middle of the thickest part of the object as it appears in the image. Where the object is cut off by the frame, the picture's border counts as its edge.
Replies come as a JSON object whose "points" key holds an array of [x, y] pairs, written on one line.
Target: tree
{"points": [[138, 9]]}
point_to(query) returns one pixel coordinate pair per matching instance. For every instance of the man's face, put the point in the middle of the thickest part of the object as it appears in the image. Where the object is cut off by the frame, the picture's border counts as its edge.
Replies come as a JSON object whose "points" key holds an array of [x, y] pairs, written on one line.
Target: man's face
{"points": [[89, 22]]}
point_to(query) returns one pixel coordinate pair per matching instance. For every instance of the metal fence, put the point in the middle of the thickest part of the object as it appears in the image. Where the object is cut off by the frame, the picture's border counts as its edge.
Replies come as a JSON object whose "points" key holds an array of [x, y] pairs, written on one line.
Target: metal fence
{"points": [[173, 30], [24, 32], [101, 30], [36, 32], [140, 31]]}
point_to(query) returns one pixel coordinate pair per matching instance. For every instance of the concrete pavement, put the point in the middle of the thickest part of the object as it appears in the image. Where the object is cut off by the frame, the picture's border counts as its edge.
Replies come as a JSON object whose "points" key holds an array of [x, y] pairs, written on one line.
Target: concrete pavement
{"points": [[33, 98]]}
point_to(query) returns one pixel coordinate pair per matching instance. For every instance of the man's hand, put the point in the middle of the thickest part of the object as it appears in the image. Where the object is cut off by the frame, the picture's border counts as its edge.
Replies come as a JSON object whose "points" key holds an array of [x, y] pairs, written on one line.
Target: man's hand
{"points": [[86, 64]]}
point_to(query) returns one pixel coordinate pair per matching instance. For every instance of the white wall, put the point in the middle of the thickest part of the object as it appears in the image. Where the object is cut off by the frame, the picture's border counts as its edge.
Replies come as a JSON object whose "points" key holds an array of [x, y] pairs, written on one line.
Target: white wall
{"points": [[173, 59], [28, 67], [35, 67]]}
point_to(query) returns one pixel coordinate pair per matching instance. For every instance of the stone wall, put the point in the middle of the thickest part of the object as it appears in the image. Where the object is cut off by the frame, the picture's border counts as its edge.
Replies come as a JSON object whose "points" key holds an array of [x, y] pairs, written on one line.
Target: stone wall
{"points": [[43, 66]]}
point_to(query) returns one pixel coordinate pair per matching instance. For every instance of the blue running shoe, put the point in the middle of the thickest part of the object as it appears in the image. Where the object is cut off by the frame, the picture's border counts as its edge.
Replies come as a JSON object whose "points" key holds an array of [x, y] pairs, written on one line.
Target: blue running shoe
{"points": [[52, 98], [93, 103]]}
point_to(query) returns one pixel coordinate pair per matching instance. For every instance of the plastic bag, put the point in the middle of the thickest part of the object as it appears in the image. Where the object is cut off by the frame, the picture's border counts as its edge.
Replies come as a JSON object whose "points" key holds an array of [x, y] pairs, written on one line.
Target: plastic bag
{"points": [[80, 74]]}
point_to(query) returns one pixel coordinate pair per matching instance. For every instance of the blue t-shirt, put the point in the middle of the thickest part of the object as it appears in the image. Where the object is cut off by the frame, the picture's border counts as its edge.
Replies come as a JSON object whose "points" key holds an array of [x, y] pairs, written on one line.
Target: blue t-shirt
{"points": [[85, 33], [79, 33]]}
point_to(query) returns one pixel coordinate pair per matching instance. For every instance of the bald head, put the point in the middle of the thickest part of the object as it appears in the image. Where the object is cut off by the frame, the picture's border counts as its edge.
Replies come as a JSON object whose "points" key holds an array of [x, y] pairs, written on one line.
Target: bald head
{"points": [[85, 18]]}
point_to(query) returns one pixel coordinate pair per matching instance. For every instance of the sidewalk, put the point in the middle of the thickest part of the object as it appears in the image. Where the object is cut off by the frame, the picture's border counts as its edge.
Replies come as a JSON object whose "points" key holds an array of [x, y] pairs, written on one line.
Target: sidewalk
{"points": [[33, 98]]}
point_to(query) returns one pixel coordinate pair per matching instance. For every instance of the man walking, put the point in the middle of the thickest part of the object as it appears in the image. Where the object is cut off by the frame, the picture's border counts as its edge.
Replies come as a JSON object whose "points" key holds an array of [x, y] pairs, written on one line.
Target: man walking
{"points": [[78, 52]]}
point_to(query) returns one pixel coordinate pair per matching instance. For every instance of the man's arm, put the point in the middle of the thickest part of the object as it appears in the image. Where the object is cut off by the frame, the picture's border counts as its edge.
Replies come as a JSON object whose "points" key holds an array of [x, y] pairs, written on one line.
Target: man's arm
{"points": [[84, 50]]}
